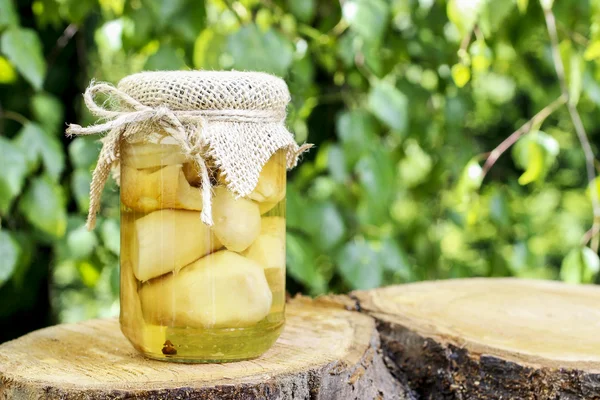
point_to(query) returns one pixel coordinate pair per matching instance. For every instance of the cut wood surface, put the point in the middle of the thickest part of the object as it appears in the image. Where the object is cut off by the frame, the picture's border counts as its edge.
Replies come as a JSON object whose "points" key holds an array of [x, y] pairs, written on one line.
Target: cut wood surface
{"points": [[325, 352], [490, 338]]}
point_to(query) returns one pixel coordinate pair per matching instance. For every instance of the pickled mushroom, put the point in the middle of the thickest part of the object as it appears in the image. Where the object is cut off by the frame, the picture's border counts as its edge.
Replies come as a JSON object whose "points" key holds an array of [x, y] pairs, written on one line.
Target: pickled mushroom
{"points": [[268, 250], [236, 221], [271, 182], [150, 155], [167, 240], [146, 191], [223, 289], [265, 207], [148, 338], [274, 226]]}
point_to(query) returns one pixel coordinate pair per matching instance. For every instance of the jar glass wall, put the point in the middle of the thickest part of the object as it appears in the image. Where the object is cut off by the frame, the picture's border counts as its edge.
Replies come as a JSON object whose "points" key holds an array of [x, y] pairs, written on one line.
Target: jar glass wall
{"points": [[190, 292]]}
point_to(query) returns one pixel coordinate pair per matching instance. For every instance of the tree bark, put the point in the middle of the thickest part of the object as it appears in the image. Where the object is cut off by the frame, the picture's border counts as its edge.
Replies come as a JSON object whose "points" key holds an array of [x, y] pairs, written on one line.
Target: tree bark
{"points": [[325, 352], [490, 338]]}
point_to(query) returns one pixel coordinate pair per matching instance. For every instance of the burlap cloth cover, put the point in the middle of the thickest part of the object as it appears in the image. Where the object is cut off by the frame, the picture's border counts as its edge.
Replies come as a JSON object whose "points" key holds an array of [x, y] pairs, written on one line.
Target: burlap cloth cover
{"points": [[234, 119]]}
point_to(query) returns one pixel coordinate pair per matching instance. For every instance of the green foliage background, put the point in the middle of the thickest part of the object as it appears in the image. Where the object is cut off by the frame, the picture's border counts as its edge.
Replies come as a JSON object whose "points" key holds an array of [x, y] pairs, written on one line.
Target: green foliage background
{"points": [[401, 118]]}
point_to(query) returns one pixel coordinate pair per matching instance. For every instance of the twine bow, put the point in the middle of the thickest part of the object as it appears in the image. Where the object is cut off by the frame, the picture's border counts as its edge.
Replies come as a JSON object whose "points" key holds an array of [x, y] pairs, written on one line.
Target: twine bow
{"points": [[185, 127]]}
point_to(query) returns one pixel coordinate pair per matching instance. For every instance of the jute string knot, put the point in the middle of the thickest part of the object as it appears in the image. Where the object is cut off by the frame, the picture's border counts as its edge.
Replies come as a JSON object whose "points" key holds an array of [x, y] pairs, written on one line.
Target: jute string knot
{"points": [[189, 138]]}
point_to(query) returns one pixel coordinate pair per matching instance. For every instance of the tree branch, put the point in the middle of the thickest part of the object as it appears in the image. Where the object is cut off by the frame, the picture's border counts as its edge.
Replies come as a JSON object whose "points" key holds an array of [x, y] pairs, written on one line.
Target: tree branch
{"points": [[233, 11], [577, 123], [62, 41], [525, 128], [464, 44], [14, 116]]}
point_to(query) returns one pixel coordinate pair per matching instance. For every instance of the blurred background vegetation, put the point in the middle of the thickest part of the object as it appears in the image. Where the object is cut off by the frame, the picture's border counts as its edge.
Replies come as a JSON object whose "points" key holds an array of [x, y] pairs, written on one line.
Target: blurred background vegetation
{"points": [[403, 98]]}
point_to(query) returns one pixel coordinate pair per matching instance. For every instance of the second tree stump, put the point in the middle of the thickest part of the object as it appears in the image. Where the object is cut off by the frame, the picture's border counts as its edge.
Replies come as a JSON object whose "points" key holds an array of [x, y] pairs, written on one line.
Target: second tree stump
{"points": [[491, 338]]}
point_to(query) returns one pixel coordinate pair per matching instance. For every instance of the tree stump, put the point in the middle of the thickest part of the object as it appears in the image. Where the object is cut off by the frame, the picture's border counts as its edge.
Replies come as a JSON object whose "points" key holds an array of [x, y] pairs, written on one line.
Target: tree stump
{"points": [[325, 352], [490, 338]]}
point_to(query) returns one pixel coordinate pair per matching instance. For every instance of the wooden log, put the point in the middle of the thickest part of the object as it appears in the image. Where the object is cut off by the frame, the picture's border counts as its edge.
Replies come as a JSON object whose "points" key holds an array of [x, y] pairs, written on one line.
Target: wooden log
{"points": [[490, 338], [325, 352]]}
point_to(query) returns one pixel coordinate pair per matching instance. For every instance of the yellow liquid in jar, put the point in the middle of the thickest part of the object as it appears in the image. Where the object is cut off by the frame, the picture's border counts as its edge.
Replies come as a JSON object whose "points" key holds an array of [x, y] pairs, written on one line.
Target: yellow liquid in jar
{"points": [[197, 312]]}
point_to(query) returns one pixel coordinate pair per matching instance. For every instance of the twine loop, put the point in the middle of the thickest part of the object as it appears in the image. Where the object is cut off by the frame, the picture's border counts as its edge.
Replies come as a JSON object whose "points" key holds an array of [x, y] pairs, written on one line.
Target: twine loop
{"points": [[186, 127]]}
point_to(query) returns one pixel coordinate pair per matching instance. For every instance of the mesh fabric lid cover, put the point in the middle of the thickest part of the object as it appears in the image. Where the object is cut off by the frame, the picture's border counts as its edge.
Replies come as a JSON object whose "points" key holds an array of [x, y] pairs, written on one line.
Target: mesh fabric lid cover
{"points": [[239, 143], [208, 90]]}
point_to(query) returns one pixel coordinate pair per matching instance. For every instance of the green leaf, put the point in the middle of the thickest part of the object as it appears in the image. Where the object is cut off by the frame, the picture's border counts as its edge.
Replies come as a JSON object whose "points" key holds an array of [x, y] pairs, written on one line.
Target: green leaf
{"points": [[522, 5], [481, 58], [24, 49], [295, 207], [26, 243], [470, 177], [43, 205], [13, 165], [591, 264], [375, 173], [328, 229], [359, 265], [264, 19], [253, 50], [189, 21], [357, 131], [394, 259], [493, 15], [301, 263], [594, 184], [49, 112], [138, 28], [80, 185], [581, 265], [37, 144], [535, 152], [208, 48], [304, 10], [89, 274], [81, 243], [576, 71], [167, 58], [76, 11], [346, 49], [377, 178], [499, 209], [463, 13], [389, 105], [110, 234], [592, 52], [8, 14], [500, 89], [7, 72], [337, 164], [535, 164], [9, 254], [416, 165], [303, 71], [368, 18], [84, 151]]}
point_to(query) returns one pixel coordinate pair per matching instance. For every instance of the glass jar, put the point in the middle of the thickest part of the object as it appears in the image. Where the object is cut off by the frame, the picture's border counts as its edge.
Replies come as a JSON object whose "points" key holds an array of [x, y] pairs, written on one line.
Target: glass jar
{"points": [[191, 292]]}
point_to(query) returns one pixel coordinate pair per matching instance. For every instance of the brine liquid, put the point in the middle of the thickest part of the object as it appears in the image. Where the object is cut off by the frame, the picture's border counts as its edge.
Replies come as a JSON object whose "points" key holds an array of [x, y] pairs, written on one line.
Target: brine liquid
{"points": [[195, 344], [188, 294]]}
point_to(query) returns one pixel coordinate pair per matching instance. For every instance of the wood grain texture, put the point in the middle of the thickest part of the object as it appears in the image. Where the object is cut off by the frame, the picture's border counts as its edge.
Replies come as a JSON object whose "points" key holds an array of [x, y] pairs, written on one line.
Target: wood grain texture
{"points": [[325, 352], [490, 338]]}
